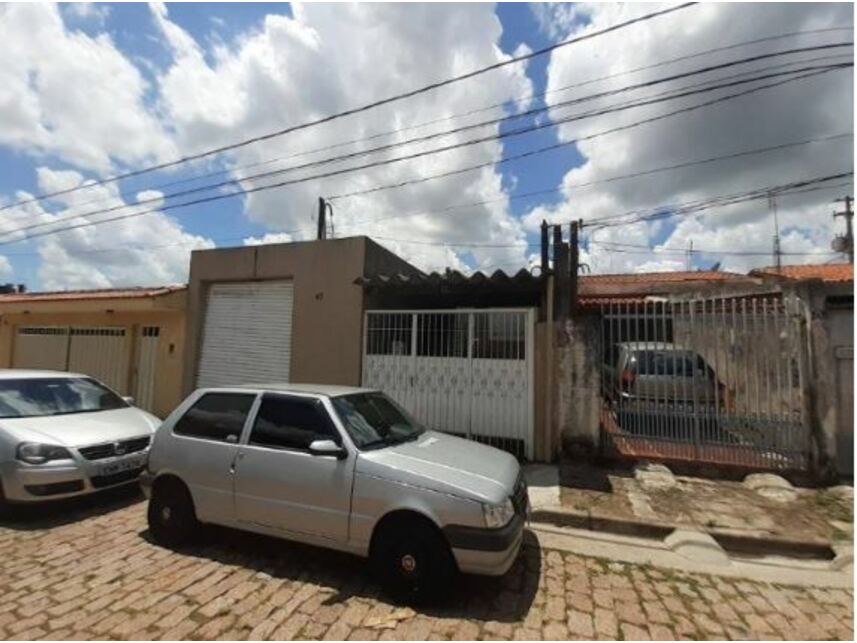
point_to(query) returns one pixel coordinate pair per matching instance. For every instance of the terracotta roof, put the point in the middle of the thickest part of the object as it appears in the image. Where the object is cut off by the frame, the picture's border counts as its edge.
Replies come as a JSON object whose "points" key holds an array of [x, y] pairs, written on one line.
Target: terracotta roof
{"points": [[648, 278], [829, 272], [653, 283], [103, 293]]}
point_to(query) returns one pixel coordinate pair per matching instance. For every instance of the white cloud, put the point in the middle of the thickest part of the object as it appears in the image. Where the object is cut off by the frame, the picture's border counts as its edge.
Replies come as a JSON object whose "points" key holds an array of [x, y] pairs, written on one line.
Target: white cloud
{"points": [[803, 110], [296, 69], [145, 250], [270, 237], [153, 198], [65, 93], [90, 11]]}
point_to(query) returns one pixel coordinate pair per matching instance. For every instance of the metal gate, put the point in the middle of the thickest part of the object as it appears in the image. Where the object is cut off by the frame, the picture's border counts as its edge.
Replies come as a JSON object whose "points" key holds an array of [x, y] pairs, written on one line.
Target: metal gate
{"points": [[715, 380], [467, 372]]}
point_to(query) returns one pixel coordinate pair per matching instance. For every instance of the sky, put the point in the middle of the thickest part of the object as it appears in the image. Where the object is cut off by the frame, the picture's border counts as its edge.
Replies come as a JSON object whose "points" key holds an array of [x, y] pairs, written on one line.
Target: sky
{"points": [[92, 91]]}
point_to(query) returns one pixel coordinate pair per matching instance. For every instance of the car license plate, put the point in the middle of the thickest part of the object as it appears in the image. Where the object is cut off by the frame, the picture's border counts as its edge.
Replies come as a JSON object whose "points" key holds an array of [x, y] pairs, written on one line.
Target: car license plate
{"points": [[120, 466]]}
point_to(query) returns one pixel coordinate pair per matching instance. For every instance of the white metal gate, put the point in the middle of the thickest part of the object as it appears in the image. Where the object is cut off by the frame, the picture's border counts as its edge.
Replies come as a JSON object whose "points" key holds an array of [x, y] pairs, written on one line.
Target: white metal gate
{"points": [[467, 372]]}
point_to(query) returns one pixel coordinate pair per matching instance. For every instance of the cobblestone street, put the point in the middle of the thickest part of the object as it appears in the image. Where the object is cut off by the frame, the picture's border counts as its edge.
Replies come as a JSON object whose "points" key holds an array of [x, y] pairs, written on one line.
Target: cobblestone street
{"points": [[90, 572]]}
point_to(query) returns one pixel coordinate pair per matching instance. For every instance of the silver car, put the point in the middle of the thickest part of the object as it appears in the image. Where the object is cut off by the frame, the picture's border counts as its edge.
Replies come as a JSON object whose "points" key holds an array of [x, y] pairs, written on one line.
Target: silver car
{"points": [[66, 434], [340, 467]]}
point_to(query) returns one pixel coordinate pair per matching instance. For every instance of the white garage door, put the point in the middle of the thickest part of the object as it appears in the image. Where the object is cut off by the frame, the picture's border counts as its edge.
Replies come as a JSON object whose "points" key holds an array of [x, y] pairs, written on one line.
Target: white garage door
{"points": [[247, 333], [98, 351]]}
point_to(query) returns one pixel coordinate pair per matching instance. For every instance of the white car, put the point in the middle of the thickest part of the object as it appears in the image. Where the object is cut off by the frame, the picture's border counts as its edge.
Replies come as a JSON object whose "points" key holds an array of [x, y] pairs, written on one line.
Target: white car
{"points": [[340, 467], [66, 434]]}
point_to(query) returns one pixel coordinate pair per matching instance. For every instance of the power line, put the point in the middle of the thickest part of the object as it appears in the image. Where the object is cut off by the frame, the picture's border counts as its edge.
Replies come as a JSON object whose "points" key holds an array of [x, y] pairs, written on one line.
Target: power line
{"points": [[610, 179], [671, 95], [714, 202], [363, 108], [668, 211], [450, 147], [575, 141], [563, 104], [679, 251], [398, 159]]}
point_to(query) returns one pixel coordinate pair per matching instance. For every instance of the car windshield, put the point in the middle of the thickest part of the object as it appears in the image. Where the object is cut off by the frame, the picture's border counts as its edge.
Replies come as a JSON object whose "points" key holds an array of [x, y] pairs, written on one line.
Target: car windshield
{"points": [[373, 420], [35, 397]]}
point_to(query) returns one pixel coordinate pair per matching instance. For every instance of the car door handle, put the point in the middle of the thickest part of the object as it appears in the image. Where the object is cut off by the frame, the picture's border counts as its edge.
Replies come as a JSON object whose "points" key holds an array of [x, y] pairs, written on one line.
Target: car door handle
{"points": [[234, 461]]}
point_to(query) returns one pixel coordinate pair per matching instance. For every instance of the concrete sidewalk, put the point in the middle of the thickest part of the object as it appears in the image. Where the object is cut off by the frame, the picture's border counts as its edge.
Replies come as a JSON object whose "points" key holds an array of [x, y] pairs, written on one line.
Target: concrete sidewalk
{"points": [[762, 516]]}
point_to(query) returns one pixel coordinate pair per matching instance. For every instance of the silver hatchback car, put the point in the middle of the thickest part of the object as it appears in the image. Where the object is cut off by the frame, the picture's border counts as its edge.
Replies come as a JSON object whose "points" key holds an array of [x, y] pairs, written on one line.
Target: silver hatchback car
{"points": [[344, 468]]}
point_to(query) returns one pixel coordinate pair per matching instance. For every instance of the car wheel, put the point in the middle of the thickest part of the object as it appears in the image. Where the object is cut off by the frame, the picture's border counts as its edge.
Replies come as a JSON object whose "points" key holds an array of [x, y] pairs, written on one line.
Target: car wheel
{"points": [[172, 519], [414, 562]]}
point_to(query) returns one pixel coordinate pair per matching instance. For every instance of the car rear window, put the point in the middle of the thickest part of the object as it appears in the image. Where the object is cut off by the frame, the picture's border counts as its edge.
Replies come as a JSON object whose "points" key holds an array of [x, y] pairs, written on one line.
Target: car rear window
{"points": [[216, 416], [664, 363]]}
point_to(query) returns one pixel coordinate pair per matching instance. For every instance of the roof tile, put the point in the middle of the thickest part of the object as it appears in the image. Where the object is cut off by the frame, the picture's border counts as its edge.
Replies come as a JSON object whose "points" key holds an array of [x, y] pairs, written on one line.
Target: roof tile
{"points": [[829, 272]]}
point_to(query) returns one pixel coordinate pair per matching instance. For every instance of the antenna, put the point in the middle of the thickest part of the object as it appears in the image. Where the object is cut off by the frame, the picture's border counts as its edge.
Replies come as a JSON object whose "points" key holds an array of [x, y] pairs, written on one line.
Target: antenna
{"points": [[778, 254]]}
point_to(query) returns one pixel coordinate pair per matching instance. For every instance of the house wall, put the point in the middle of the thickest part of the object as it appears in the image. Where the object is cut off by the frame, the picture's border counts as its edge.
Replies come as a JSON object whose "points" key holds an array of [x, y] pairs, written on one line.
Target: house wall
{"points": [[328, 305], [132, 314], [831, 405]]}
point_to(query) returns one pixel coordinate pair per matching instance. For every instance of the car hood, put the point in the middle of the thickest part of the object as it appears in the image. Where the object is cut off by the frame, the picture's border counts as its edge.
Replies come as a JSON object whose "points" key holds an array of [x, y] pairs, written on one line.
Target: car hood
{"points": [[81, 429], [447, 464]]}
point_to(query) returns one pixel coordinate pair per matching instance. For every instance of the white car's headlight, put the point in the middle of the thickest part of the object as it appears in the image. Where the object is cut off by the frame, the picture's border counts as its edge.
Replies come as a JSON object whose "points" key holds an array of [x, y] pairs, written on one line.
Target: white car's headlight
{"points": [[36, 453], [498, 515]]}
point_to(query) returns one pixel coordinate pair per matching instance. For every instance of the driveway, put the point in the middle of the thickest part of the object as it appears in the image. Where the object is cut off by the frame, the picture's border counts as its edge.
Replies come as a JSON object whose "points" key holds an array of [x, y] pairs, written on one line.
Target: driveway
{"points": [[90, 571]]}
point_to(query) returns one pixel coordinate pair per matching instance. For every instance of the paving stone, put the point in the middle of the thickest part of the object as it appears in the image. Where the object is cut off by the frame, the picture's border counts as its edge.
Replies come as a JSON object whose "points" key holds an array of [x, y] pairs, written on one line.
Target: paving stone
{"points": [[93, 577]]}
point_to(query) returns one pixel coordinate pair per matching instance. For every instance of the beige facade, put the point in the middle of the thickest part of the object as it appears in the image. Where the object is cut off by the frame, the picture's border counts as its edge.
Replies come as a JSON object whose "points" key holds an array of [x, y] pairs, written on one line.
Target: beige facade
{"points": [[327, 308], [132, 339]]}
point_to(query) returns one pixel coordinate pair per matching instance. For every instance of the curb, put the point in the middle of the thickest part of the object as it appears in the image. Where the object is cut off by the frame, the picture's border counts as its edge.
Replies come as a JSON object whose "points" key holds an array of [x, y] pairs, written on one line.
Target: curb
{"points": [[740, 544]]}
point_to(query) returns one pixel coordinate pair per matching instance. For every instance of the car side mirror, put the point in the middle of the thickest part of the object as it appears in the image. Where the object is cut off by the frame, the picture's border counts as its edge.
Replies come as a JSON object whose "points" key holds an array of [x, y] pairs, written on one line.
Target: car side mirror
{"points": [[128, 399], [327, 447]]}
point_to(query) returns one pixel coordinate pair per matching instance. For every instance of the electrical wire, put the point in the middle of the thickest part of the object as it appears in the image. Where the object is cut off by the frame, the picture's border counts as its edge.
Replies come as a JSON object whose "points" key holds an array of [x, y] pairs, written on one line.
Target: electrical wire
{"points": [[518, 115], [284, 183], [671, 95], [420, 154], [575, 141], [363, 108]]}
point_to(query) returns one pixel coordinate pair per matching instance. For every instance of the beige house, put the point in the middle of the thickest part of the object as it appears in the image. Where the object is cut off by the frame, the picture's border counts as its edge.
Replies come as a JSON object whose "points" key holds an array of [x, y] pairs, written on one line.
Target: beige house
{"points": [[132, 339], [289, 312]]}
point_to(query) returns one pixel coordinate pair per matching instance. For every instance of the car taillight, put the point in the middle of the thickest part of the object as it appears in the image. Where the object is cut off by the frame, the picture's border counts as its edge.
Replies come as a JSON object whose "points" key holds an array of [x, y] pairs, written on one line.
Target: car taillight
{"points": [[627, 379]]}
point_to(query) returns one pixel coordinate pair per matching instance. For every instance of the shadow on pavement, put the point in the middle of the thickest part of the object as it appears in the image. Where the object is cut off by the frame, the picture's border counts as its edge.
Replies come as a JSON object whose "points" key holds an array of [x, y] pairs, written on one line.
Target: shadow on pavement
{"points": [[505, 599], [56, 513]]}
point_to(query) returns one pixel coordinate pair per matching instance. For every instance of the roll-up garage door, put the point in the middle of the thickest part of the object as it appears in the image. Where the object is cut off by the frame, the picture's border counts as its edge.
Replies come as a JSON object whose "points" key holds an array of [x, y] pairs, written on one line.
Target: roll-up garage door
{"points": [[247, 333]]}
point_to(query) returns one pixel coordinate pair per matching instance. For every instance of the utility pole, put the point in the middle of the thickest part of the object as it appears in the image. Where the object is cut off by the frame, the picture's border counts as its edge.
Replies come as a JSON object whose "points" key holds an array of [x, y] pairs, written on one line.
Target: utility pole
{"points": [[322, 219], [778, 254], [689, 256], [846, 243], [574, 265], [545, 265], [560, 271]]}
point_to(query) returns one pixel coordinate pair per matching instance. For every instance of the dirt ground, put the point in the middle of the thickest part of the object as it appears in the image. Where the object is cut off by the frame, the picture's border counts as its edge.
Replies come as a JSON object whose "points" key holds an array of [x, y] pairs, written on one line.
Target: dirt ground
{"points": [[822, 516]]}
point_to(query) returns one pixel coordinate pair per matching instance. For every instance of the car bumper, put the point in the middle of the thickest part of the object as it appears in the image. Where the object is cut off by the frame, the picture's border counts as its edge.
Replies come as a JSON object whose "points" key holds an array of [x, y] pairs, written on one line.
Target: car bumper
{"points": [[25, 483], [488, 552]]}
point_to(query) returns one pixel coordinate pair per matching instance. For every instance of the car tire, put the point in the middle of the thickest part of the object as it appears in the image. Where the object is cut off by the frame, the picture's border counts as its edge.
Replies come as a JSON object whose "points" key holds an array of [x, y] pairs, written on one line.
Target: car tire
{"points": [[171, 515], [414, 562]]}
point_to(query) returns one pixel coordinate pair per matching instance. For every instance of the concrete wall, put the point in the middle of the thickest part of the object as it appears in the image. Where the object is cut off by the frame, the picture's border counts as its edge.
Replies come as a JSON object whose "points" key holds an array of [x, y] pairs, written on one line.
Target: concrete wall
{"points": [[328, 305], [577, 401], [830, 330], [327, 326], [166, 312]]}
